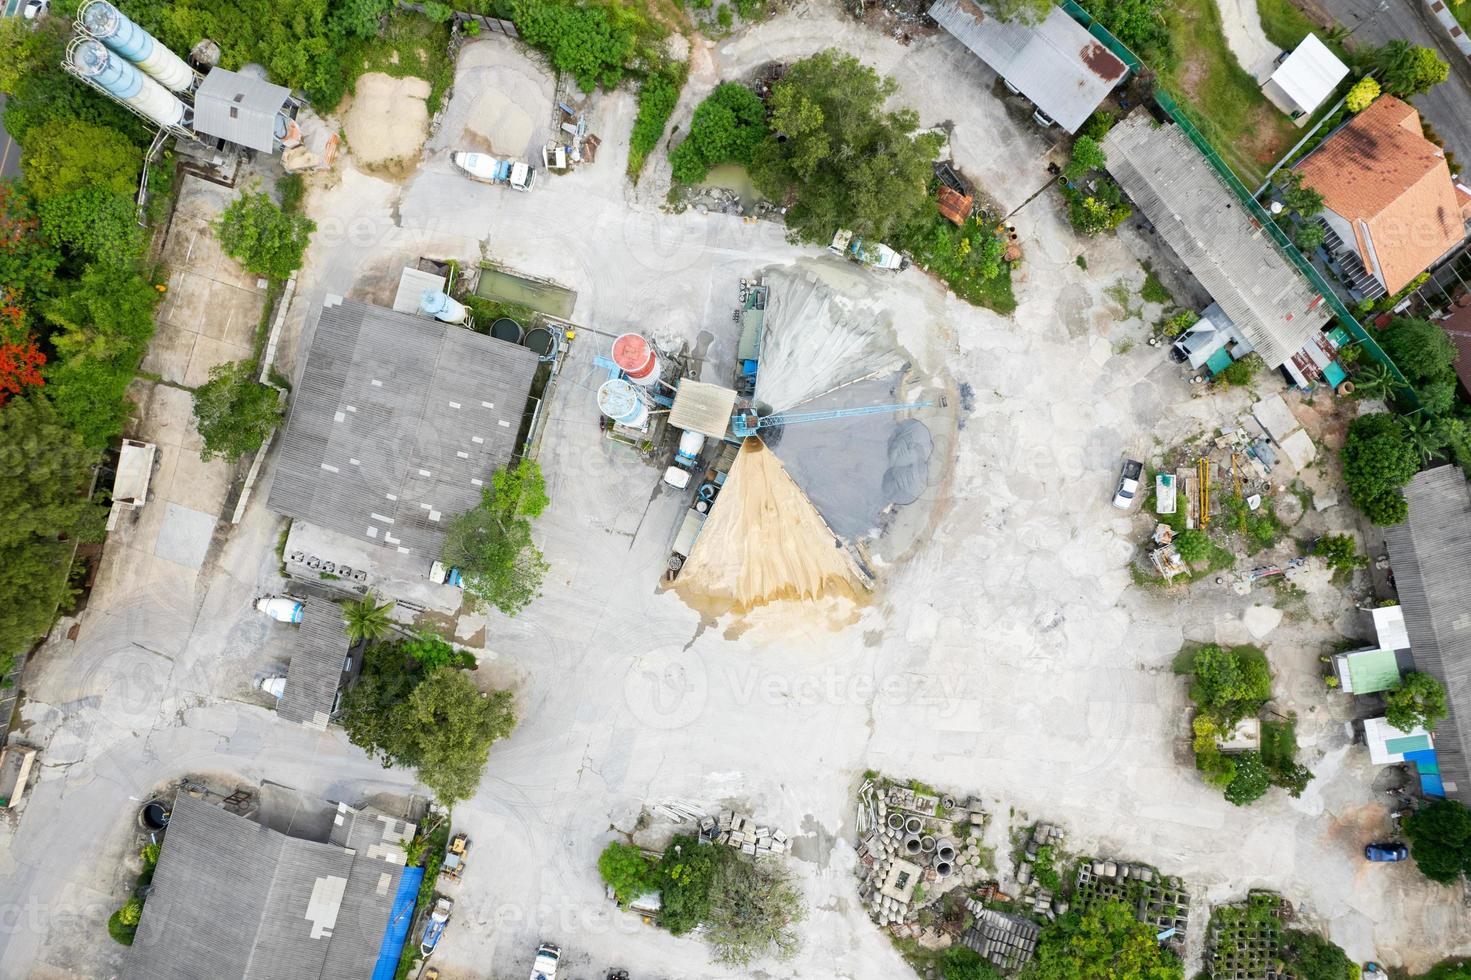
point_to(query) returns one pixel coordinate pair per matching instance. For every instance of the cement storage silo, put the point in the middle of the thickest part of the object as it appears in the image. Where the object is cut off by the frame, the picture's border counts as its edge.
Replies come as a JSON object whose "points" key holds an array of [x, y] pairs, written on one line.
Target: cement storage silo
{"points": [[442, 307], [637, 358], [120, 79], [624, 403], [113, 28]]}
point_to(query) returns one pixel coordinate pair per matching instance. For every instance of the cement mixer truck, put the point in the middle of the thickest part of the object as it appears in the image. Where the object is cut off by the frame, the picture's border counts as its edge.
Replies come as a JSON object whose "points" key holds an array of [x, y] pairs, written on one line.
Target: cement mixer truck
{"points": [[493, 170]]}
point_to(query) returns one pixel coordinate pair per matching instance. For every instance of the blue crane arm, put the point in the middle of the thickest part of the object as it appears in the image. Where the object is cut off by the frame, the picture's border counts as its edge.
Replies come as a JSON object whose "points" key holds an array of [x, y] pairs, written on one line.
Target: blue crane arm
{"points": [[741, 428]]}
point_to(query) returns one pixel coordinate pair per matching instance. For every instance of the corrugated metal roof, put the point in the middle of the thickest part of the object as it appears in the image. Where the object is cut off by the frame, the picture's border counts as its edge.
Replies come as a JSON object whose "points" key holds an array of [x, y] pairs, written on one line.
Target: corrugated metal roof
{"points": [[318, 649], [1310, 74], [703, 408], [1057, 64], [397, 424], [1232, 257], [239, 108], [233, 900], [1431, 556], [411, 286]]}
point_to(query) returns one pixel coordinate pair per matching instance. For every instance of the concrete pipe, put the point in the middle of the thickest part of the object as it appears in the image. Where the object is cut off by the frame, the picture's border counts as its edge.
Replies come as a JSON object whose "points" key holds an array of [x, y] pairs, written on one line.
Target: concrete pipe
{"points": [[896, 821], [927, 844], [943, 868], [911, 844], [913, 825], [945, 850]]}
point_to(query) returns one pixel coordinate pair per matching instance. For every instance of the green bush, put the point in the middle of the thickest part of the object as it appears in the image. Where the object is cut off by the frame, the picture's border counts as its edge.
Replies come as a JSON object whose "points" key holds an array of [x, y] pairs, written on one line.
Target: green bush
{"points": [[964, 963], [1418, 701], [684, 876], [1250, 781], [657, 96], [593, 43], [1440, 840], [625, 869], [727, 127], [1102, 210], [1231, 683], [1193, 545], [1340, 552], [120, 931], [233, 412], [265, 239], [1377, 461], [1242, 372]]}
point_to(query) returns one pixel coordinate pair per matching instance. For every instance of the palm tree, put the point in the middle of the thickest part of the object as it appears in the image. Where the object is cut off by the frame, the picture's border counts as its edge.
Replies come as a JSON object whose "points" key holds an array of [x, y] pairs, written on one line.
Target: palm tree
{"points": [[1425, 436], [366, 620]]}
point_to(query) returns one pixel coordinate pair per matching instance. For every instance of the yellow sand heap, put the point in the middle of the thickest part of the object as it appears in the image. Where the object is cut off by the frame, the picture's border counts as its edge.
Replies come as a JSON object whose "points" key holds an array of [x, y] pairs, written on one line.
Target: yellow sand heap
{"points": [[764, 542]]}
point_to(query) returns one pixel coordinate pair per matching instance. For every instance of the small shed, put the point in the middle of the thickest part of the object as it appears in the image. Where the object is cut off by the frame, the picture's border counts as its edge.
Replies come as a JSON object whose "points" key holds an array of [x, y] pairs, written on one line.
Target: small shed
{"points": [[242, 109], [134, 473], [1389, 627], [1305, 78], [702, 407], [411, 286], [955, 207], [1388, 745], [1367, 671]]}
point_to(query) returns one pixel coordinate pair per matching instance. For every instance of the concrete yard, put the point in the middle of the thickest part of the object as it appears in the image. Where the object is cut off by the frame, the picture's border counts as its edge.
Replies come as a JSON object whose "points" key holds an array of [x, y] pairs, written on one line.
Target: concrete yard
{"points": [[1006, 655]]}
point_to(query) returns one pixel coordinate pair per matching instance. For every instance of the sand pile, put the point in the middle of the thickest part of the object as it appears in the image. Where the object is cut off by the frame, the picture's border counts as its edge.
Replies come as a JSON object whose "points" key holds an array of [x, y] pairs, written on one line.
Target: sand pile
{"points": [[764, 542], [502, 126], [387, 122]]}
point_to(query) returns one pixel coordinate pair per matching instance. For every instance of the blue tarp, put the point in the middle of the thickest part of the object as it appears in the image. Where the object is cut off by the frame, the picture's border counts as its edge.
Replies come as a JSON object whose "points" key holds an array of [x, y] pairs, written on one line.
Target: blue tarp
{"points": [[1427, 765], [400, 920]]}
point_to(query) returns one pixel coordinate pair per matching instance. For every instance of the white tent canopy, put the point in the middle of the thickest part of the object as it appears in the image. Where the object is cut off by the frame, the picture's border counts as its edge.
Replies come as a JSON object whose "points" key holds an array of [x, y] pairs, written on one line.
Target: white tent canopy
{"points": [[1309, 75]]}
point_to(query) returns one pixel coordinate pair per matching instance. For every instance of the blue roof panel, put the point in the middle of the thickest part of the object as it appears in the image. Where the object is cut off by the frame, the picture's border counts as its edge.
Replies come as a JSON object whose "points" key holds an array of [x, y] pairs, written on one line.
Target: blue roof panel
{"points": [[399, 923]]}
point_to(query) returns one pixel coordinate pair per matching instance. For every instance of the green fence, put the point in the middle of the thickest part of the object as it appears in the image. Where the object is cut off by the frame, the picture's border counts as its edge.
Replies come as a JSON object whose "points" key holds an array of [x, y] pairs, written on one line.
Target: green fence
{"points": [[1405, 392]]}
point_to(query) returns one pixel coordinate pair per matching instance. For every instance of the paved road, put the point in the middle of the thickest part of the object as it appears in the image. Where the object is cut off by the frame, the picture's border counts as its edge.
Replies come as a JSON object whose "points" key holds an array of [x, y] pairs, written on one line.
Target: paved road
{"points": [[1447, 107], [9, 149]]}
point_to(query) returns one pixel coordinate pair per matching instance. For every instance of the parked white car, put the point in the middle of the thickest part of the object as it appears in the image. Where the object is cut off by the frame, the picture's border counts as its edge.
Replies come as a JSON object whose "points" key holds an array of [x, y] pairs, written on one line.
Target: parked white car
{"points": [[1128, 488]]}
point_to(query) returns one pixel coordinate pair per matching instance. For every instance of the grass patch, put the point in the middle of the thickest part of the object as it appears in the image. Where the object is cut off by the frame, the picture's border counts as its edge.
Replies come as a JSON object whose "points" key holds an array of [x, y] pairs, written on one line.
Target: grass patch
{"points": [[1285, 25], [1220, 97], [1154, 291], [412, 46], [968, 259], [487, 311]]}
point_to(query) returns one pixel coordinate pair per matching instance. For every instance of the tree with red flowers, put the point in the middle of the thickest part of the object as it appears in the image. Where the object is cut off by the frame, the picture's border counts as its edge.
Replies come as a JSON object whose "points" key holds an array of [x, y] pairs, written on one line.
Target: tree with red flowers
{"points": [[20, 368]]}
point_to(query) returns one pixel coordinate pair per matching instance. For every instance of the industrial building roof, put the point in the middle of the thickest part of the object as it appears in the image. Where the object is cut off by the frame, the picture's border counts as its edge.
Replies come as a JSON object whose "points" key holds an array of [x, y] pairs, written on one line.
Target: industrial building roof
{"points": [[1380, 173], [239, 109], [703, 408], [1431, 556], [1223, 246], [1310, 73], [318, 652], [233, 900], [1056, 63], [397, 424]]}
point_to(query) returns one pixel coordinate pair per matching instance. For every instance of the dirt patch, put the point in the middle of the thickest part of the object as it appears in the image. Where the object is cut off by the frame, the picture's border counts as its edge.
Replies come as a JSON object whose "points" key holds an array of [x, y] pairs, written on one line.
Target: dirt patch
{"points": [[503, 126], [386, 123], [764, 543]]}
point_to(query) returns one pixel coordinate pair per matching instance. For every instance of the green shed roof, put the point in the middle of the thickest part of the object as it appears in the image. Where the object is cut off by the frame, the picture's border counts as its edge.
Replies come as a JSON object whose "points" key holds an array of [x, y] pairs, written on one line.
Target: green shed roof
{"points": [[1372, 670]]}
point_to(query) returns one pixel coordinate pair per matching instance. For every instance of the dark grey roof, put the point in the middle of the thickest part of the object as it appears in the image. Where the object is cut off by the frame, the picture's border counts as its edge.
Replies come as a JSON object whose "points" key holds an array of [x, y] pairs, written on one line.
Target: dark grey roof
{"points": [[239, 108], [1056, 63], [318, 650], [396, 425], [233, 900], [1431, 556], [1201, 219]]}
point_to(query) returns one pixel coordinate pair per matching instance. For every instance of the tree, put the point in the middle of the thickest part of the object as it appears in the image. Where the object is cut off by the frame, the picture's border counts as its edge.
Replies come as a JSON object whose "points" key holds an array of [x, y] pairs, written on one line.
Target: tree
{"points": [[625, 869], [444, 727], [366, 619], [1418, 701], [845, 161], [1193, 545], [74, 153], [1426, 436], [1140, 24], [266, 240], [1104, 942], [1025, 11], [1440, 840], [1309, 236], [1087, 156], [20, 368], [964, 963], [1297, 197], [42, 509], [685, 876], [657, 96], [754, 909], [1407, 70], [1340, 552], [491, 544], [105, 315], [1363, 94], [1231, 683], [1250, 781], [27, 261], [234, 412], [430, 652], [1421, 350], [1311, 957], [1103, 210], [1374, 380], [1377, 462], [93, 221], [726, 128], [592, 43]]}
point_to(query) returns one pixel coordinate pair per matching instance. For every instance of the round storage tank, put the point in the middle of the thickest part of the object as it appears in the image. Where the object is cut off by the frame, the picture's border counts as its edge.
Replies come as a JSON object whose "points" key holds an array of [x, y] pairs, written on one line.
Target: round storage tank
{"points": [[506, 329], [542, 341], [109, 25], [124, 82], [637, 358], [440, 306], [623, 403]]}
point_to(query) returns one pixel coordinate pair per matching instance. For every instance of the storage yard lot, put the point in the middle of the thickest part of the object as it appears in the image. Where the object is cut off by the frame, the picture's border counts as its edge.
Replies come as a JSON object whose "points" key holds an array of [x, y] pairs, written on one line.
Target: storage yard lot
{"points": [[1007, 654]]}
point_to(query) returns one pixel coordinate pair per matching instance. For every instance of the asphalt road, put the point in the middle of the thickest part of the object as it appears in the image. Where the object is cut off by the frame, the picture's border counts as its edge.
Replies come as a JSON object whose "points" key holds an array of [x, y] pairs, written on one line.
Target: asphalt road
{"points": [[9, 149], [1447, 107]]}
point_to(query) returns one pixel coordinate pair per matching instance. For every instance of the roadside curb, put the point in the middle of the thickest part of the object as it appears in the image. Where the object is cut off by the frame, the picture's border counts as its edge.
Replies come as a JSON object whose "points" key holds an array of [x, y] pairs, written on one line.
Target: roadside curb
{"points": [[1450, 26]]}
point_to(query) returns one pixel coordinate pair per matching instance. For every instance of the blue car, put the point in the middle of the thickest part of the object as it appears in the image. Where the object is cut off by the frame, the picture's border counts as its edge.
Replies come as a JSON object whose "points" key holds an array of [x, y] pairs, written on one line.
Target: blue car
{"points": [[1386, 852]]}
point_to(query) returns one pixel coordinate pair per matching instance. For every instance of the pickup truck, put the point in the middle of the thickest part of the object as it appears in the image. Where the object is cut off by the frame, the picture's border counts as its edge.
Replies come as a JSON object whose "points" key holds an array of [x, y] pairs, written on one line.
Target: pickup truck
{"points": [[545, 965], [1128, 488]]}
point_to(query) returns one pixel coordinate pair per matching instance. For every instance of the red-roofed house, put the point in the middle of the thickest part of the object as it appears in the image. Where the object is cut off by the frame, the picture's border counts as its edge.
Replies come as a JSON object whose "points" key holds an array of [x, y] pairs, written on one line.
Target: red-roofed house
{"points": [[1457, 326], [1388, 197]]}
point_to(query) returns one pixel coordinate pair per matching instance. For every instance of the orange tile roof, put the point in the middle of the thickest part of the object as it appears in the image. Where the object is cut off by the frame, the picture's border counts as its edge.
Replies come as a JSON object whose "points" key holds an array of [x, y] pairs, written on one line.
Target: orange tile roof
{"points": [[1381, 174]]}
